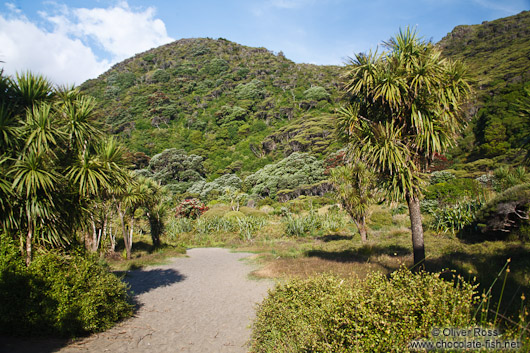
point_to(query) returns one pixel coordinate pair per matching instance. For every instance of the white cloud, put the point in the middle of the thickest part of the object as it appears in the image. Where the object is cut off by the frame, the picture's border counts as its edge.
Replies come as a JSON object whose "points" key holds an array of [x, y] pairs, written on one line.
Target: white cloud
{"points": [[65, 54], [24, 46], [119, 30]]}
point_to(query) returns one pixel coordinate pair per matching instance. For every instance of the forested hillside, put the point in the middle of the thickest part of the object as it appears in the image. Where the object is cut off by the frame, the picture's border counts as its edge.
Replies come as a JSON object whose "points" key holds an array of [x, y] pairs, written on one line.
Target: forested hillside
{"points": [[239, 108], [497, 55]]}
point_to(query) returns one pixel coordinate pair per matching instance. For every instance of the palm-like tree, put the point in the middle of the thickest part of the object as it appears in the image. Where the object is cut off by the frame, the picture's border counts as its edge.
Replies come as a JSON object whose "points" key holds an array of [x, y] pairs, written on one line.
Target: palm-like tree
{"points": [[155, 204], [55, 166], [355, 186], [405, 107]]}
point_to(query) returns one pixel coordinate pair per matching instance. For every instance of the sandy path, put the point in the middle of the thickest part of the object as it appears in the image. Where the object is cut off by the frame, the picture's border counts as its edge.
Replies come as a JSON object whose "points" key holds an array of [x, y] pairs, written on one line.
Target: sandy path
{"points": [[204, 303]]}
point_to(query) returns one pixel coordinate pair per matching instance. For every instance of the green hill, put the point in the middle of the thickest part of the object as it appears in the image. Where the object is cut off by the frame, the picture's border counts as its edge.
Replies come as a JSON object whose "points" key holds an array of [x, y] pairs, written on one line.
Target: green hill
{"points": [[241, 108], [223, 101], [498, 56]]}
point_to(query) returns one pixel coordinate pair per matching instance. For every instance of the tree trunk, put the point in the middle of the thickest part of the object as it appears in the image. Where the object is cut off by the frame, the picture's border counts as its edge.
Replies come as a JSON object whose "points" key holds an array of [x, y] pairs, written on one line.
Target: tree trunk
{"points": [[112, 237], [361, 227], [29, 241], [128, 243], [362, 230], [90, 242], [121, 214], [417, 232], [156, 228]]}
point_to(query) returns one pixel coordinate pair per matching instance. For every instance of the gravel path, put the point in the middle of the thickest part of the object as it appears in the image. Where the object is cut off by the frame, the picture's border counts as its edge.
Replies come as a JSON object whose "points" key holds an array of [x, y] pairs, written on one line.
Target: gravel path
{"points": [[203, 303]]}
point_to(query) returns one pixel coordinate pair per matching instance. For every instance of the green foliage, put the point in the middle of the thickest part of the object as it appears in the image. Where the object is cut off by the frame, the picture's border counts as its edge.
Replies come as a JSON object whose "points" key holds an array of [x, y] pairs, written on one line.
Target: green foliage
{"points": [[252, 90], [58, 294], [55, 159], [378, 314], [200, 79], [311, 223], [453, 190], [161, 76], [298, 226], [441, 177], [217, 186], [176, 166], [406, 110], [355, 186], [454, 218], [224, 222], [505, 178], [316, 93], [175, 226], [495, 54], [296, 170]]}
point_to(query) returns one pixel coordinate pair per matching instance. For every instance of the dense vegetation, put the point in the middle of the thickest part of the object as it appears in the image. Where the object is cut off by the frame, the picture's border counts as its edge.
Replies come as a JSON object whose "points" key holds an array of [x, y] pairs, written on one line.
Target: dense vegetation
{"points": [[378, 314], [231, 145], [58, 176], [219, 100], [495, 53]]}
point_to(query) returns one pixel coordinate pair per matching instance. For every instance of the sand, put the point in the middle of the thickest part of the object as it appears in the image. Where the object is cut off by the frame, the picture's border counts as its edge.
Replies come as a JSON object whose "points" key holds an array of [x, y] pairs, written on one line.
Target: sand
{"points": [[201, 303]]}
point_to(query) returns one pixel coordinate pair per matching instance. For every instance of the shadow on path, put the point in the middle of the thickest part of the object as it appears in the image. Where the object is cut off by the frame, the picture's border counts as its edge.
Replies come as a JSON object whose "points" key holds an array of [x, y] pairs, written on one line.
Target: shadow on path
{"points": [[140, 281], [143, 281]]}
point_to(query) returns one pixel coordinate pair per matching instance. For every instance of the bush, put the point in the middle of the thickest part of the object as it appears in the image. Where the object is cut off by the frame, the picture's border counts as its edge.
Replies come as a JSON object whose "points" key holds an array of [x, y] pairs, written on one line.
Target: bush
{"points": [[291, 172], [453, 190], [454, 218], [303, 225], [190, 208], [378, 314], [58, 295], [441, 177], [178, 225], [220, 184], [316, 93]]}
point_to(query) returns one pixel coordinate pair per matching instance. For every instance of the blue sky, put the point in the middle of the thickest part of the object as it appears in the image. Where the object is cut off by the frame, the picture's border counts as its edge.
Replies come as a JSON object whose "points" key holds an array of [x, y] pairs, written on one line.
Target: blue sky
{"points": [[71, 41]]}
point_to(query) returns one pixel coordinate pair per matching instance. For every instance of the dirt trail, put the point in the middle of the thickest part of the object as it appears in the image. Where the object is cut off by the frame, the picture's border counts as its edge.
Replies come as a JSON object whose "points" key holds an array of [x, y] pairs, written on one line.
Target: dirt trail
{"points": [[203, 303]]}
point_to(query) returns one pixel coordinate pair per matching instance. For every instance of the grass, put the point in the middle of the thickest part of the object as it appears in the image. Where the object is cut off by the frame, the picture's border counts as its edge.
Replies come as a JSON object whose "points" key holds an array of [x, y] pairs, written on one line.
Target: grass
{"points": [[143, 255], [339, 251]]}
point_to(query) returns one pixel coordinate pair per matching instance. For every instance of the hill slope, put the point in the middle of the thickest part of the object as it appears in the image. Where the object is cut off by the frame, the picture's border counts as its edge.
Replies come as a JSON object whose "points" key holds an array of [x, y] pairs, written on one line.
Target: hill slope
{"points": [[241, 108], [498, 56], [220, 100]]}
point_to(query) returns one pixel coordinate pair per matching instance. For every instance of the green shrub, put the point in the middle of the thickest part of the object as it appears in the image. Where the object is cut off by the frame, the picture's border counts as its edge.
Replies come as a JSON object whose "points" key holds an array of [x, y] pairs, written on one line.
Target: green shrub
{"points": [[378, 314], [441, 177], [249, 211], [291, 172], [302, 225], [59, 295], [245, 226], [176, 226], [453, 190], [316, 93], [233, 215], [453, 218]]}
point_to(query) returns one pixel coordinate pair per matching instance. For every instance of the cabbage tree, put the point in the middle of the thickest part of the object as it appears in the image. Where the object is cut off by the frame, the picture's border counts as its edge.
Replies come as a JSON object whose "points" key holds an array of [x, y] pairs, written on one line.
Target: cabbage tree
{"points": [[405, 108]]}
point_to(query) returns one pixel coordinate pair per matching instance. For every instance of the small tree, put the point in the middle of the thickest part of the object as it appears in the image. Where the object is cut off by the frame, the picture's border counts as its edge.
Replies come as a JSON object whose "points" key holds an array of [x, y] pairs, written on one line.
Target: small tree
{"points": [[355, 186], [405, 108]]}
